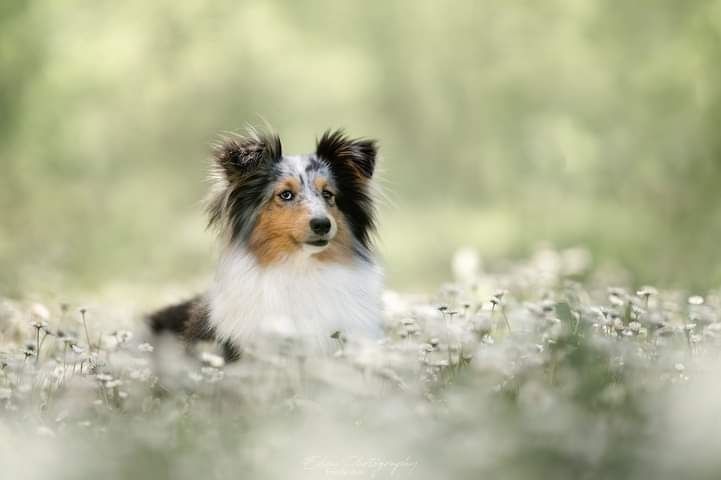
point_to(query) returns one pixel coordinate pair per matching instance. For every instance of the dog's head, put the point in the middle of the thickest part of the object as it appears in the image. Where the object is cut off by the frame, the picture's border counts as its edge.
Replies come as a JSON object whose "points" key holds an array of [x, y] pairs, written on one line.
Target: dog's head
{"points": [[317, 204]]}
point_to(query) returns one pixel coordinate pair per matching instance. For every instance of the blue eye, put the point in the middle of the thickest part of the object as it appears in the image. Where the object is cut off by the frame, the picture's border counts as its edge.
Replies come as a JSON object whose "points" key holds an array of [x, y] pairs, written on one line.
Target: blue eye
{"points": [[286, 195]]}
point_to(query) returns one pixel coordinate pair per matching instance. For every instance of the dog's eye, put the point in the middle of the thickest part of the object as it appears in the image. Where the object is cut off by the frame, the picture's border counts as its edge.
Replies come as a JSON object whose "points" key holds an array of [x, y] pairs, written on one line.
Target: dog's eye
{"points": [[286, 195], [328, 194]]}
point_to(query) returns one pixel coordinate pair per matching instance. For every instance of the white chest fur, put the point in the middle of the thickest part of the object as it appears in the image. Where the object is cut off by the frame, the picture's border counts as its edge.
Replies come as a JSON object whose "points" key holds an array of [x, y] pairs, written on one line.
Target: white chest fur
{"points": [[300, 298]]}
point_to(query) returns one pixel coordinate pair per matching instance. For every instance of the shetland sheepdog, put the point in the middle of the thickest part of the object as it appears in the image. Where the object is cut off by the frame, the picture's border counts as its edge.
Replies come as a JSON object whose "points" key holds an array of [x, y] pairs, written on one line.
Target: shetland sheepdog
{"points": [[296, 257]]}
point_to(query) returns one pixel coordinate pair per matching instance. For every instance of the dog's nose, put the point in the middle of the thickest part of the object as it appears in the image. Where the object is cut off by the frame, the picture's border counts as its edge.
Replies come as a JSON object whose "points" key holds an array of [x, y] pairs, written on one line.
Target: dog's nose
{"points": [[320, 225]]}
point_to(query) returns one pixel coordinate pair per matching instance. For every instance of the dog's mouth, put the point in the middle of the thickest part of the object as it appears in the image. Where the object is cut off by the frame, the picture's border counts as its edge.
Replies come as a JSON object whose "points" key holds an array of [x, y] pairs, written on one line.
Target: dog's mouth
{"points": [[321, 242]]}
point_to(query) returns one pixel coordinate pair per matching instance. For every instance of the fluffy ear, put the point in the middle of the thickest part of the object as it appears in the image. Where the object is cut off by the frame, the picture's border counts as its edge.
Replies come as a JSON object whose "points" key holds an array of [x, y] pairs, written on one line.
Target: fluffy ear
{"points": [[239, 155], [336, 148]]}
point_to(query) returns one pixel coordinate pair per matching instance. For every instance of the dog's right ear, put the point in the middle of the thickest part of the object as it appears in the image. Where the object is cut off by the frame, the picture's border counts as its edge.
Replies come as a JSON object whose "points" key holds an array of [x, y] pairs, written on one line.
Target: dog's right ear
{"points": [[241, 155]]}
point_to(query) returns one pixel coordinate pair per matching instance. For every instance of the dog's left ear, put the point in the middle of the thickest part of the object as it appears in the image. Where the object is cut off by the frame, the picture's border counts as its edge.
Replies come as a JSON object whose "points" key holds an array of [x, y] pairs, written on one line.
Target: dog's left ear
{"points": [[340, 151]]}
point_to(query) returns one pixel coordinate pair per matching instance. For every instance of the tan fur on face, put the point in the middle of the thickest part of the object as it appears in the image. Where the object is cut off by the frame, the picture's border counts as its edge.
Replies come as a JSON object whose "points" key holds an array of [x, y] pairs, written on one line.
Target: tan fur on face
{"points": [[283, 227], [321, 183]]}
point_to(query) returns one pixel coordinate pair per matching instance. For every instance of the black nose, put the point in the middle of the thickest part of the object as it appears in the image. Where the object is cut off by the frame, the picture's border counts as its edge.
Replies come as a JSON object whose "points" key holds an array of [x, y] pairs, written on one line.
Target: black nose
{"points": [[320, 225]]}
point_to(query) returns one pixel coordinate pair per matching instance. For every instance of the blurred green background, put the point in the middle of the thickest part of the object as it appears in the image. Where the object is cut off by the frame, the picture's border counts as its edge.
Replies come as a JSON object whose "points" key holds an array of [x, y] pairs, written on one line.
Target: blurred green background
{"points": [[503, 124]]}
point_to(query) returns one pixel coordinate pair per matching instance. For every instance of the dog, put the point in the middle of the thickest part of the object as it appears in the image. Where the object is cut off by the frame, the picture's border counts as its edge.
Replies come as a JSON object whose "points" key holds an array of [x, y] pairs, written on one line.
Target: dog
{"points": [[296, 234]]}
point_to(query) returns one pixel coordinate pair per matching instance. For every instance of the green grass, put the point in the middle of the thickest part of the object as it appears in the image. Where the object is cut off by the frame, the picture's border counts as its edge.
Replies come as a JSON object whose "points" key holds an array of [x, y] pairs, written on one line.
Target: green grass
{"points": [[522, 373]]}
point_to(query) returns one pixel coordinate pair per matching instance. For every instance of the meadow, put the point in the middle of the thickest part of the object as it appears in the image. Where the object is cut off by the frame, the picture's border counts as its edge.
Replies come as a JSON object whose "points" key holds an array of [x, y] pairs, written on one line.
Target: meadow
{"points": [[546, 369]]}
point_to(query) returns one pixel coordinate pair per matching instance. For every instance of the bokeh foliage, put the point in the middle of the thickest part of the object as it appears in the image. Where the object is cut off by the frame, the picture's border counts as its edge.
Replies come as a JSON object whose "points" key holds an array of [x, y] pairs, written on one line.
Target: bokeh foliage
{"points": [[502, 124]]}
